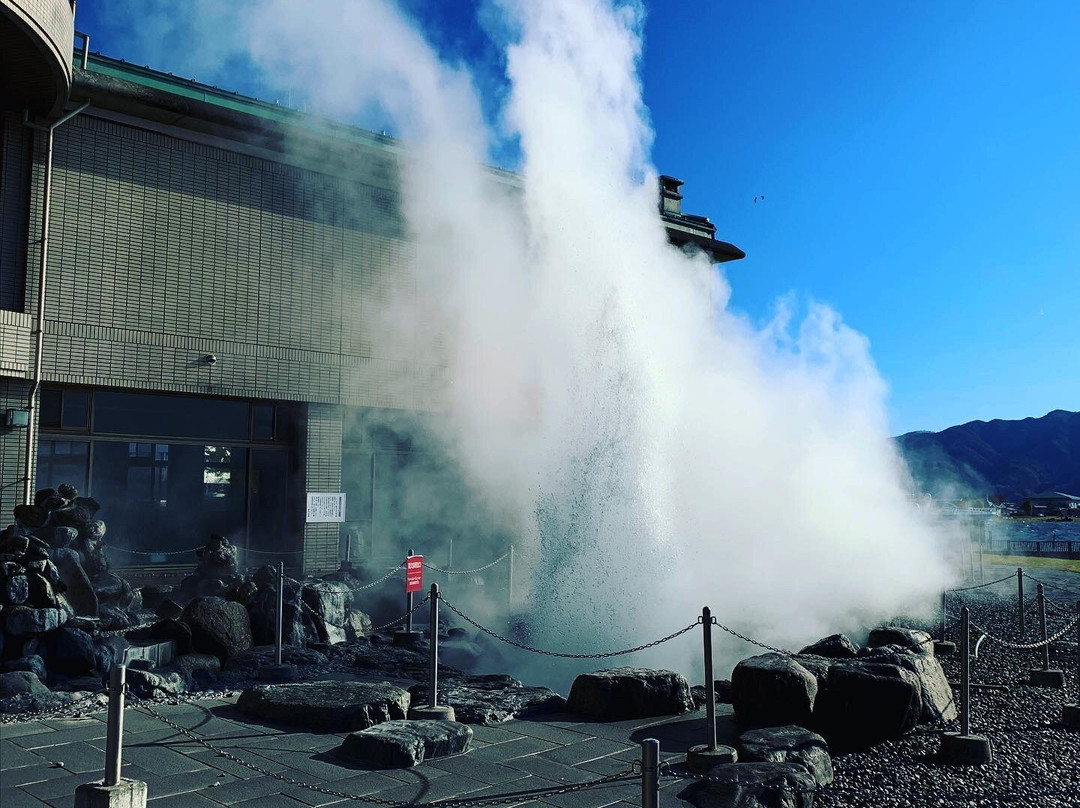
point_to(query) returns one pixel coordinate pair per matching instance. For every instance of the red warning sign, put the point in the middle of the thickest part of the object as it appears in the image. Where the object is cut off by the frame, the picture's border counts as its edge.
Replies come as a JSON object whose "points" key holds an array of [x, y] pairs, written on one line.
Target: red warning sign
{"points": [[414, 573]]}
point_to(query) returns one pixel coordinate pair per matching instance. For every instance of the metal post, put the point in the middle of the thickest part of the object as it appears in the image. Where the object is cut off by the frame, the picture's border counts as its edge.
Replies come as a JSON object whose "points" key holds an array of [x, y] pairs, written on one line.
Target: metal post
{"points": [[944, 611], [450, 560], [650, 773], [710, 696], [1078, 653], [409, 605], [433, 634], [1042, 626], [510, 586], [280, 610], [965, 673], [114, 734], [982, 546], [1020, 598]]}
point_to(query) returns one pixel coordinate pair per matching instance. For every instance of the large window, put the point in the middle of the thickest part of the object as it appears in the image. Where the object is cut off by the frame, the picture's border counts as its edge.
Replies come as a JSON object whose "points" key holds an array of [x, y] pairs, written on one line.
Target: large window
{"points": [[170, 470]]}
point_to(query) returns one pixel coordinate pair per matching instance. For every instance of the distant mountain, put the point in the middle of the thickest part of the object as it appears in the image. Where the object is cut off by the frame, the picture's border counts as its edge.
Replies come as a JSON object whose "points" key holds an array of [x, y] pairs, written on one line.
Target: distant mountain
{"points": [[1012, 458]]}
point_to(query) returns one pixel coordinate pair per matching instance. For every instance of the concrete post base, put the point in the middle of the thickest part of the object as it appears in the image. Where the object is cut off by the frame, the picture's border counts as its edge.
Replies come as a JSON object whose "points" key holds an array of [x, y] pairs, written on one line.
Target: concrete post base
{"points": [[285, 672], [1070, 715], [407, 639], [944, 648], [700, 758], [431, 714], [965, 749], [125, 794], [1048, 678]]}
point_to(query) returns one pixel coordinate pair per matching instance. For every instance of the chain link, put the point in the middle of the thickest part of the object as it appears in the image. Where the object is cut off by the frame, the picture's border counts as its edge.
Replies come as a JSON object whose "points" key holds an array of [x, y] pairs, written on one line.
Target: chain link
{"points": [[397, 620], [468, 572], [605, 655], [460, 802], [1072, 592], [744, 638], [54, 712], [980, 586], [361, 588], [154, 553], [1029, 645]]}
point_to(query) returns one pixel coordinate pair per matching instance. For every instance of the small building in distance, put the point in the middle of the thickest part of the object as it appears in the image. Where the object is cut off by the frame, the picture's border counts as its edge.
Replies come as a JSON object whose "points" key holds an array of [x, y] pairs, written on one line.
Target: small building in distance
{"points": [[1052, 503]]}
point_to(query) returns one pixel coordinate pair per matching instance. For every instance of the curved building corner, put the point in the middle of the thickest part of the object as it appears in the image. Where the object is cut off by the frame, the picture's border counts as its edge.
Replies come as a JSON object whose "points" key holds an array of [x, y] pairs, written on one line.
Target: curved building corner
{"points": [[35, 55]]}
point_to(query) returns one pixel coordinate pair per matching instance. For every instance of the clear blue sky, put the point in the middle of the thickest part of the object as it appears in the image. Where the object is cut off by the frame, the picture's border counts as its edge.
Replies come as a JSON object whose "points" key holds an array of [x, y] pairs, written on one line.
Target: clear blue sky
{"points": [[920, 163]]}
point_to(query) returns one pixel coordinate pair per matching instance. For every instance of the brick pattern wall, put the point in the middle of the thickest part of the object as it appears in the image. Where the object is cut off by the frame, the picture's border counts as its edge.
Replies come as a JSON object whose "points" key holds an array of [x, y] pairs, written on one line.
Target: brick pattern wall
{"points": [[14, 179], [323, 475], [13, 393]]}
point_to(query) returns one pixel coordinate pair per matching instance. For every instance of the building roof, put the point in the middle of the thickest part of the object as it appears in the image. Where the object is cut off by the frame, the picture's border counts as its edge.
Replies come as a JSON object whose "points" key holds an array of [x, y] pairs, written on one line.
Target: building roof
{"points": [[1055, 495]]}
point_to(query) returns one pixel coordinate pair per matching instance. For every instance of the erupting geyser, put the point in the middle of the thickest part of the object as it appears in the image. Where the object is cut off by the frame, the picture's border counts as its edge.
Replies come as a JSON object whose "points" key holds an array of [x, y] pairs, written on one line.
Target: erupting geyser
{"points": [[651, 450]]}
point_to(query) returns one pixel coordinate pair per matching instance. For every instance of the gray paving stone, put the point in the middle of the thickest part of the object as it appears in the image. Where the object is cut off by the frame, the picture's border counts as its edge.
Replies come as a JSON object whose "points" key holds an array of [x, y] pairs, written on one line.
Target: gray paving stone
{"points": [[161, 760], [13, 756], [184, 782], [591, 749], [27, 728], [86, 731], [28, 775], [52, 789], [595, 797], [240, 790], [550, 769], [440, 788], [275, 801], [520, 747], [78, 758], [324, 766], [494, 734], [361, 785], [483, 770], [17, 798], [190, 800], [215, 761], [535, 729]]}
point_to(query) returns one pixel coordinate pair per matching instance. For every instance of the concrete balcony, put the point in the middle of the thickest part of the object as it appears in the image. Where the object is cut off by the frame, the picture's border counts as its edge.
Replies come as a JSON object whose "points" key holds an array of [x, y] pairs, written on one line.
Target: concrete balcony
{"points": [[36, 38]]}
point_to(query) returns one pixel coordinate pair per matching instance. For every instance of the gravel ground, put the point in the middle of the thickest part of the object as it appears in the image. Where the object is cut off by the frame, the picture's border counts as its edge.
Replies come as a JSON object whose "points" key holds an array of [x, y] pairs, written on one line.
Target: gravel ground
{"points": [[1036, 759]]}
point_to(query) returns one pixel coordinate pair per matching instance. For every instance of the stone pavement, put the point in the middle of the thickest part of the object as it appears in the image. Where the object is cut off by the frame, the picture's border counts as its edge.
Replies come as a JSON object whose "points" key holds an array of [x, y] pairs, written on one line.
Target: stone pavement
{"points": [[43, 761]]}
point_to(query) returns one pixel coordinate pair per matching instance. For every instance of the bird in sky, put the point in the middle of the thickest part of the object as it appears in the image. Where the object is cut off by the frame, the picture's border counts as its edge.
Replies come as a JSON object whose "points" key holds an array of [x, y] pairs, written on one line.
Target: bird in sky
{"points": [[756, 198]]}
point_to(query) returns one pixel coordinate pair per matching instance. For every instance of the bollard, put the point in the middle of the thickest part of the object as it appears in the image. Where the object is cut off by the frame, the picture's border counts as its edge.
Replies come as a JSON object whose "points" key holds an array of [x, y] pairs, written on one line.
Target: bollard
{"points": [[650, 773], [433, 711], [1020, 599], [1070, 713], [1045, 677], [963, 747], [944, 647], [113, 791], [280, 671], [703, 757]]}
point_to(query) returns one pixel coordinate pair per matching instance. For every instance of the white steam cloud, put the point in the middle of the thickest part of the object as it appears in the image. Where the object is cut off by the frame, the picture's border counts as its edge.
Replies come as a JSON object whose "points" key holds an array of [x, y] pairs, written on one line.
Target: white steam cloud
{"points": [[651, 450]]}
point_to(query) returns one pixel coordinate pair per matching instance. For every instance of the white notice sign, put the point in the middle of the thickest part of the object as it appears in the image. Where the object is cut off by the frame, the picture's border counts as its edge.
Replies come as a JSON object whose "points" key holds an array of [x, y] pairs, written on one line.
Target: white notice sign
{"points": [[325, 507]]}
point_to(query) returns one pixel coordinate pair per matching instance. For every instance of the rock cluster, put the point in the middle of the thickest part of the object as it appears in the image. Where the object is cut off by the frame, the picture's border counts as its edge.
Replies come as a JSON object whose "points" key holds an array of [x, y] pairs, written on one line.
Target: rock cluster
{"points": [[620, 693], [881, 691], [216, 571]]}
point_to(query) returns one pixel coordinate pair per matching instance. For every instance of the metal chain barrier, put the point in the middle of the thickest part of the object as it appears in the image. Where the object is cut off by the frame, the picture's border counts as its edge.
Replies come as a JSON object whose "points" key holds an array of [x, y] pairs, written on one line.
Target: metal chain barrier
{"points": [[360, 588], [397, 620], [1072, 592], [744, 638], [63, 711], [271, 552], [1029, 645], [503, 557], [148, 553], [1008, 577], [461, 802], [560, 654]]}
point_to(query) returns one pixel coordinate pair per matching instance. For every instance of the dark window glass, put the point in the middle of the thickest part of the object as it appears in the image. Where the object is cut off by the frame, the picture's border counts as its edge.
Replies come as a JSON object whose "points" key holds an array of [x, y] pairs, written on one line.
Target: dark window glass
{"points": [[51, 403], [175, 416], [160, 497], [62, 461], [262, 422], [76, 409], [288, 420]]}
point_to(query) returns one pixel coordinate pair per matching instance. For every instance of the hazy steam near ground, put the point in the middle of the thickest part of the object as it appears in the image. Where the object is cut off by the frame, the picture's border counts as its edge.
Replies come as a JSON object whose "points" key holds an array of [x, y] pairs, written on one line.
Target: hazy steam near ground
{"points": [[652, 450]]}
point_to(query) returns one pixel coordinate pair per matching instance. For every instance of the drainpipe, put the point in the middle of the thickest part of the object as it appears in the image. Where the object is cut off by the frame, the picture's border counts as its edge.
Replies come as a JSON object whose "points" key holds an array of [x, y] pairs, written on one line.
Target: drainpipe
{"points": [[39, 345]]}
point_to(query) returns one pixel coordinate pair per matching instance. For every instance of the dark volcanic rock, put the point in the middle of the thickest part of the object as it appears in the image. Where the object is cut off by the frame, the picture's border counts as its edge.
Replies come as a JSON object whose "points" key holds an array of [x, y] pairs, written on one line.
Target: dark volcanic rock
{"points": [[71, 651], [788, 744], [621, 693], [80, 592], [31, 516], [248, 662], [917, 641], [396, 744], [18, 683], [197, 670], [935, 693], [334, 706], [753, 785], [33, 663], [773, 690], [16, 590], [24, 620], [491, 699], [835, 646], [218, 627], [148, 685], [867, 702]]}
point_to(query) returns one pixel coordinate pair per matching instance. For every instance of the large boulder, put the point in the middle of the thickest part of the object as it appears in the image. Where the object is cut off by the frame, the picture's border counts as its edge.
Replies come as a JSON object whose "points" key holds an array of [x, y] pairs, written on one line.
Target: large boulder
{"points": [[405, 743], [21, 621], [329, 603], [919, 642], [620, 693], [18, 683], [33, 663], [753, 785], [935, 692], [150, 684], [71, 651], [330, 705], [773, 690], [247, 663], [788, 744], [491, 699], [79, 591], [835, 646], [868, 702], [297, 623], [197, 670], [219, 627], [16, 590]]}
